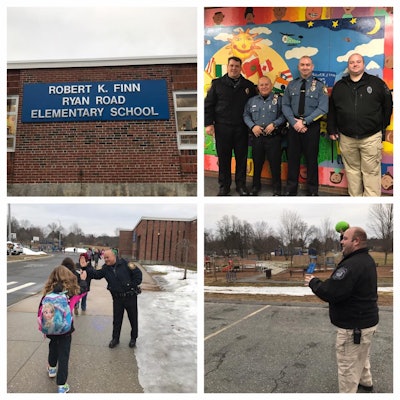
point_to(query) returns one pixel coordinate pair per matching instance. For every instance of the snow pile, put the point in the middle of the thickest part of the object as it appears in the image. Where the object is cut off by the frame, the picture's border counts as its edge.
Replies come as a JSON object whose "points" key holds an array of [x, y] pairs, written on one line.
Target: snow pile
{"points": [[30, 252], [167, 354], [77, 250]]}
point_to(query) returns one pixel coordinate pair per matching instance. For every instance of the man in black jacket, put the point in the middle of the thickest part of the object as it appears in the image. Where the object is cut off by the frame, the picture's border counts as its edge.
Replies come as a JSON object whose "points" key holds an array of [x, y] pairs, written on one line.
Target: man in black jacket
{"points": [[223, 111], [123, 279], [351, 292], [360, 109]]}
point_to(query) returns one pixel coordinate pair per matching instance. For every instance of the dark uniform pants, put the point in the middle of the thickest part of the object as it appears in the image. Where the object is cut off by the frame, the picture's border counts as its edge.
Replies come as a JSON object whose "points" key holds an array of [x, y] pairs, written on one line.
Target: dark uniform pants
{"points": [[308, 144], [228, 138], [59, 349], [267, 147], [120, 304]]}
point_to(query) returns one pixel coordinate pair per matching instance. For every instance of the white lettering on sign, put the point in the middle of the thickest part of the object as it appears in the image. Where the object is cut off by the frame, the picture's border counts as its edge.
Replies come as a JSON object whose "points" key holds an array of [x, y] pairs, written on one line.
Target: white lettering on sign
{"points": [[106, 100], [69, 89], [75, 101], [100, 88], [132, 111], [127, 87], [66, 113]]}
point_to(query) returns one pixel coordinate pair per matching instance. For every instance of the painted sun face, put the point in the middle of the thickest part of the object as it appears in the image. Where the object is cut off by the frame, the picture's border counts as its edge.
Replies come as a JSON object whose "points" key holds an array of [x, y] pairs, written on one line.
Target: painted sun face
{"points": [[243, 45]]}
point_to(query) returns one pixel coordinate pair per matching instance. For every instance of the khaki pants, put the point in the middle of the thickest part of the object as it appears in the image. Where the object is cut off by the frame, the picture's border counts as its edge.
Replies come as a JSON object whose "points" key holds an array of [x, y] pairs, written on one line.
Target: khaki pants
{"points": [[362, 163], [353, 359]]}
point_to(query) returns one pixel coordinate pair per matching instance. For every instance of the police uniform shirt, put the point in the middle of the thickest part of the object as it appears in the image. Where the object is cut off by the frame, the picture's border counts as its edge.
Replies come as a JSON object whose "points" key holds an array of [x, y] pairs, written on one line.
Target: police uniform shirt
{"points": [[262, 112], [316, 101]]}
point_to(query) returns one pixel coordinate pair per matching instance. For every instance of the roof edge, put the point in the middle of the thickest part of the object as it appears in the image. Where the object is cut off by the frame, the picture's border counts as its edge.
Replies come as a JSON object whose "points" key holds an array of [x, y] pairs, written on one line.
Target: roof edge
{"points": [[109, 62]]}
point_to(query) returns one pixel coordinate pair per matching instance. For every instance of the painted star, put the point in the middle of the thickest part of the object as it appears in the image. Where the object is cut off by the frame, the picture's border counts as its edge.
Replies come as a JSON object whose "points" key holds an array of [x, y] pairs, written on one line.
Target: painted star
{"points": [[335, 24], [310, 24], [353, 21]]}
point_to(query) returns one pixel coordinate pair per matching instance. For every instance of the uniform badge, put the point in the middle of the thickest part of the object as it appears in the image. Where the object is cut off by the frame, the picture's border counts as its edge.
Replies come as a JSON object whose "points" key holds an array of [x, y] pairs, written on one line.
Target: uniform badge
{"points": [[247, 90], [313, 85], [275, 100], [325, 90], [369, 89], [339, 274]]}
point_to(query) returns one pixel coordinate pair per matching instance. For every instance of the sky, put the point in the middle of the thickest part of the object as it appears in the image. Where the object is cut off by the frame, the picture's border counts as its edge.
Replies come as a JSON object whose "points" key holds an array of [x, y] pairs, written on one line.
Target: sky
{"points": [[98, 219], [76, 32], [312, 214]]}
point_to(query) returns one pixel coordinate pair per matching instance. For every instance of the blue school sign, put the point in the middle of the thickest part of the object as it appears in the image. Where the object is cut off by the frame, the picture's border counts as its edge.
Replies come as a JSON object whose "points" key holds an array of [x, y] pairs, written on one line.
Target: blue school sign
{"points": [[95, 101]]}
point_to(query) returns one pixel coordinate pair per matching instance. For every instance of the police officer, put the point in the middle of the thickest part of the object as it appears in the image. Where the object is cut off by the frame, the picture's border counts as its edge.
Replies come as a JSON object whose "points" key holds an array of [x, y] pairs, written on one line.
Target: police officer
{"points": [[123, 279], [360, 109], [263, 115], [351, 292], [304, 102], [223, 119]]}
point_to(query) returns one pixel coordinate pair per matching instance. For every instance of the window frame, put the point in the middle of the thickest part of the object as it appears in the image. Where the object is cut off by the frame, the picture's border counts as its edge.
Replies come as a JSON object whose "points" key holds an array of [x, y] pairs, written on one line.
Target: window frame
{"points": [[179, 132], [15, 114]]}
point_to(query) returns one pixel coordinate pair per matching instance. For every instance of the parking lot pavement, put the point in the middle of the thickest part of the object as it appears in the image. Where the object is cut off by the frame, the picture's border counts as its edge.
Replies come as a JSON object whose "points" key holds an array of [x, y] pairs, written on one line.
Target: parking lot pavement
{"points": [[262, 348]]}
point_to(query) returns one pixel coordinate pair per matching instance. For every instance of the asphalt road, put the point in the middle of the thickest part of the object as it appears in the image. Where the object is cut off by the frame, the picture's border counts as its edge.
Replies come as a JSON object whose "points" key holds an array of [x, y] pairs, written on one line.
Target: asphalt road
{"points": [[26, 278], [267, 348]]}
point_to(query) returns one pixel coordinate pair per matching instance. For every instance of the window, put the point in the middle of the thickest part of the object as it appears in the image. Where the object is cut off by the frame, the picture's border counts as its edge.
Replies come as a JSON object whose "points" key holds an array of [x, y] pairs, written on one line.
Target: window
{"points": [[12, 116], [185, 104]]}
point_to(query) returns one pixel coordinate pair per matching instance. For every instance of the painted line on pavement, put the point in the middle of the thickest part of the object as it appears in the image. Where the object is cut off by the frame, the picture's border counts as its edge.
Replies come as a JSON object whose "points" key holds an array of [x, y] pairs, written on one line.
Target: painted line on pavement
{"points": [[235, 323]]}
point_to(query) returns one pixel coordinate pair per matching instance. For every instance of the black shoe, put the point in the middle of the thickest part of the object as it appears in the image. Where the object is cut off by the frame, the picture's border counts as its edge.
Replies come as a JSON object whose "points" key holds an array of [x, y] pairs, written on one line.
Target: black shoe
{"points": [[223, 191], [369, 389], [132, 343], [254, 192], [277, 194], [290, 194], [113, 343], [242, 191], [312, 194]]}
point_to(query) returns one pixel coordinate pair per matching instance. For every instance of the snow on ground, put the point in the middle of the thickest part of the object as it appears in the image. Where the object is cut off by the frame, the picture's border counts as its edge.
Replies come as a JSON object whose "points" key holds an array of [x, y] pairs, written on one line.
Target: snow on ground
{"points": [[30, 252], [75, 250], [166, 350], [271, 290]]}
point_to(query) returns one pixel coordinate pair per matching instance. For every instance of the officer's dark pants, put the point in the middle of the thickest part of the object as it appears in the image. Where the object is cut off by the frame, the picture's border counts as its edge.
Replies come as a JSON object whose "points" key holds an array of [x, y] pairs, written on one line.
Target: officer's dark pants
{"points": [[130, 305], [59, 350], [267, 147], [228, 138], [307, 144]]}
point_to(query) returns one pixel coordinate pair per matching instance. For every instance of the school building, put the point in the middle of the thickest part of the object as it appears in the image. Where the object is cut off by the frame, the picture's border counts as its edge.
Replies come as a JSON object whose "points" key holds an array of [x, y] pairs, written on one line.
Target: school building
{"points": [[161, 240], [117, 127]]}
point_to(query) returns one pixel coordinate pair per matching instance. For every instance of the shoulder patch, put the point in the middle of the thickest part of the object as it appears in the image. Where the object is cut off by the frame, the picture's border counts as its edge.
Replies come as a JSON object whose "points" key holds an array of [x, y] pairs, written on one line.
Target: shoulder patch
{"points": [[339, 274], [132, 265]]}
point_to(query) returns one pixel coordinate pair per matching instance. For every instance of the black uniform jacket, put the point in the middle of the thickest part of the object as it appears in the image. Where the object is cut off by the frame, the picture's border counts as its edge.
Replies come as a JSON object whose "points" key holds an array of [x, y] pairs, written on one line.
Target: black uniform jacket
{"points": [[359, 109], [225, 101], [120, 277], [351, 291]]}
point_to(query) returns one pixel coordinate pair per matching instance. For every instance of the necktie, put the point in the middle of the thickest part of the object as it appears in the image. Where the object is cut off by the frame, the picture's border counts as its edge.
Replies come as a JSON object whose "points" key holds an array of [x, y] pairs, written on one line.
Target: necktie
{"points": [[302, 99]]}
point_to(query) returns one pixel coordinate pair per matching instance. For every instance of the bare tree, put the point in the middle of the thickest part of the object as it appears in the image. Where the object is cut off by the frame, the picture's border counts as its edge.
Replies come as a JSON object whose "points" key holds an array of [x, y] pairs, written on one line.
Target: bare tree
{"points": [[326, 234], [381, 223], [262, 234], [290, 230]]}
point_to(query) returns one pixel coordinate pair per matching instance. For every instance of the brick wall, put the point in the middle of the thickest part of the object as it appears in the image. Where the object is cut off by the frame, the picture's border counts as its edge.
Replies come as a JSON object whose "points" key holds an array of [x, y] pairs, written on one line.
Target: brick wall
{"points": [[161, 241], [101, 152]]}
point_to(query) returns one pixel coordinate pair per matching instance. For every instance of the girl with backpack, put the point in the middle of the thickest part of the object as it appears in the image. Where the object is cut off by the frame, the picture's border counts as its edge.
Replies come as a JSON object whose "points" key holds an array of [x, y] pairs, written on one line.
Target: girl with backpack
{"points": [[60, 281]]}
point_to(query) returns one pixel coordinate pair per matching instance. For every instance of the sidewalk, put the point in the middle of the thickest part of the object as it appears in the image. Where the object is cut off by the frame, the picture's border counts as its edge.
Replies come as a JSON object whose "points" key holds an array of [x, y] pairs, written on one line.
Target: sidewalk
{"points": [[93, 366]]}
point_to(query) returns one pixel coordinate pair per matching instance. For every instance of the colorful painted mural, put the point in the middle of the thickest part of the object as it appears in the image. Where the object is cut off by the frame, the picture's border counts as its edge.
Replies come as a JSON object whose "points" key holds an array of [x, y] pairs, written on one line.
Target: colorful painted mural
{"points": [[270, 41]]}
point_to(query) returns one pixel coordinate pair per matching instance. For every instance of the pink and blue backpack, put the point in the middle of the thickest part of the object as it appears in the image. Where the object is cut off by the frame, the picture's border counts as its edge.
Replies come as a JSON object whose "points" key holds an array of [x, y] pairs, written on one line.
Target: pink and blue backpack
{"points": [[54, 315]]}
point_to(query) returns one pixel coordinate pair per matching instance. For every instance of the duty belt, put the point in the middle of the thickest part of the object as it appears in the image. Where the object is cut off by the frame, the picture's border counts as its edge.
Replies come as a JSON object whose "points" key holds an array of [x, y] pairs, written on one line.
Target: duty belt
{"points": [[119, 295]]}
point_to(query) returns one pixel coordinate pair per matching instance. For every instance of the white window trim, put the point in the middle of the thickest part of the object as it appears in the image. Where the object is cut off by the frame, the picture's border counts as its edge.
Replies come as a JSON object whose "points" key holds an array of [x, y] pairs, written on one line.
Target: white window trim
{"points": [[16, 98], [180, 133]]}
